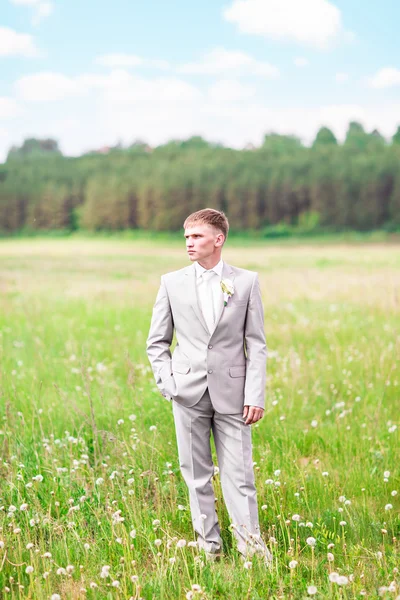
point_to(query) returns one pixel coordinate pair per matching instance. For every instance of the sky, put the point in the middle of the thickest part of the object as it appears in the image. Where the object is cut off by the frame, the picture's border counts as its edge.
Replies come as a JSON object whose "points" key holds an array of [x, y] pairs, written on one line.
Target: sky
{"points": [[92, 73]]}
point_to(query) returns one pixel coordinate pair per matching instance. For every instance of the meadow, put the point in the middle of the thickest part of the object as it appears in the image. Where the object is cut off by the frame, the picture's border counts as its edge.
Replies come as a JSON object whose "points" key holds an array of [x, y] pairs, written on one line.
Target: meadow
{"points": [[92, 503]]}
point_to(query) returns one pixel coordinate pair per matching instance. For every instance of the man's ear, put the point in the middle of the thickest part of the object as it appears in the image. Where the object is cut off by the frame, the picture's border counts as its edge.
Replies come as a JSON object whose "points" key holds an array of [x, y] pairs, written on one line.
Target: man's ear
{"points": [[220, 239]]}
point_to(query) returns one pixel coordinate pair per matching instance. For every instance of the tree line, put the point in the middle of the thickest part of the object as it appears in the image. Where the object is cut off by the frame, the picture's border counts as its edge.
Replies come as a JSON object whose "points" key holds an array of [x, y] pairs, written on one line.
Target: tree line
{"points": [[354, 185]]}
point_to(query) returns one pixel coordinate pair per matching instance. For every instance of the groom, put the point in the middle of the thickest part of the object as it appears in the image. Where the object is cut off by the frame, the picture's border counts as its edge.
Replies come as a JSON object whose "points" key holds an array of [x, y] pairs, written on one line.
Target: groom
{"points": [[215, 378]]}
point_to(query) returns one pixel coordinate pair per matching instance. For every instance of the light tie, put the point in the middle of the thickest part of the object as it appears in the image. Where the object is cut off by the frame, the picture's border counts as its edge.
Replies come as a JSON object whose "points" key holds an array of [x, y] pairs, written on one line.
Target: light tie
{"points": [[208, 300]]}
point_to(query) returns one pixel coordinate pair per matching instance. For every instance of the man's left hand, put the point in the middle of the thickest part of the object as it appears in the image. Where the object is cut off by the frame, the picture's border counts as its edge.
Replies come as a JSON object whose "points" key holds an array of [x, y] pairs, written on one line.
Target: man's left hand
{"points": [[252, 414]]}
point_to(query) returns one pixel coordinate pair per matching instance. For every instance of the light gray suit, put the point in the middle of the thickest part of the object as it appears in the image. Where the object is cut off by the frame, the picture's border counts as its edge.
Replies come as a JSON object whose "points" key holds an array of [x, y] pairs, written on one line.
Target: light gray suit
{"points": [[210, 377]]}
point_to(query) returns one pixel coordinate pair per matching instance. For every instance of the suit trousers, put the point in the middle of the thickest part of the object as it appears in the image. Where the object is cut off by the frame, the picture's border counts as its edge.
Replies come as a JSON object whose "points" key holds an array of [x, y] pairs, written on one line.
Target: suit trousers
{"points": [[232, 440]]}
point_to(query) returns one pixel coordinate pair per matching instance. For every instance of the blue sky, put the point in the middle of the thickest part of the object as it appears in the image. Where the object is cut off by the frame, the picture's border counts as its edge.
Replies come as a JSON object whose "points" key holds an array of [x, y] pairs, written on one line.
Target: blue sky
{"points": [[96, 72]]}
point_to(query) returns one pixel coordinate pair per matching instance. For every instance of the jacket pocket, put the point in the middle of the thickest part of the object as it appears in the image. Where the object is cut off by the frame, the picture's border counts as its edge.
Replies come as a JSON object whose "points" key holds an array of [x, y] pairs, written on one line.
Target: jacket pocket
{"points": [[237, 371], [181, 367]]}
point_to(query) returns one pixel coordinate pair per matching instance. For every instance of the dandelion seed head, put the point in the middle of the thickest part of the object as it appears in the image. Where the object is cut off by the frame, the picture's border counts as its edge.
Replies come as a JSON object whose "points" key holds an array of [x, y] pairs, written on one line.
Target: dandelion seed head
{"points": [[311, 541], [311, 590]]}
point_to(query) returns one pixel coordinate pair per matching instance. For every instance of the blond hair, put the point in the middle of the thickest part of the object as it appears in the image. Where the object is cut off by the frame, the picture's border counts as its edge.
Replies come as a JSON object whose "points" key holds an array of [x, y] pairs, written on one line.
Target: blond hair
{"points": [[209, 216]]}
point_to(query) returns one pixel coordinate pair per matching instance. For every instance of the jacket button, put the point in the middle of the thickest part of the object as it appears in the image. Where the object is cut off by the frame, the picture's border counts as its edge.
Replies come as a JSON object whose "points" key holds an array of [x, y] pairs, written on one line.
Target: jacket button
{"points": [[210, 346], [210, 370]]}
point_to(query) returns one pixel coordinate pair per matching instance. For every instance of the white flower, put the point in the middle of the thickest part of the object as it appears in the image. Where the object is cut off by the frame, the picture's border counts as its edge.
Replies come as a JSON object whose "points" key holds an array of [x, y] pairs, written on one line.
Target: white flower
{"points": [[342, 498], [312, 590], [105, 572], [29, 569], [342, 580], [69, 568], [342, 523], [228, 289], [55, 597], [99, 481], [181, 543], [296, 517], [277, 472], [38, 478], [314, 423], [115, 584], [330, 557], [247, 564], [152, 428], [333, 577], [29, 546], [311, 541], [388, 506], [157, 543], [293, 564], [132, 533], [386, 474]]}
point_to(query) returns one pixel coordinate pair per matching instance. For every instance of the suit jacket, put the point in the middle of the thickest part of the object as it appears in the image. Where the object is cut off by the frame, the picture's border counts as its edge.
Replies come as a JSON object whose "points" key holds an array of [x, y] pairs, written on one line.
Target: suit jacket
{"points": [[231, 361]]}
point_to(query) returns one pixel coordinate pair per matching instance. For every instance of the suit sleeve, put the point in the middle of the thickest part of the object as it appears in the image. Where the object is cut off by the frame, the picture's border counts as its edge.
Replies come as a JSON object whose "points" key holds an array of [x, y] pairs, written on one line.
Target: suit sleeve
{"points": [[160, 338], [256, 349]]}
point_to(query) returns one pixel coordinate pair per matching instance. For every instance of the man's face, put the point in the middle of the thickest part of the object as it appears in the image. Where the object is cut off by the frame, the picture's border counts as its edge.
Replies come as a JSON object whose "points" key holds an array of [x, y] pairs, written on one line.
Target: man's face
{"points": [[202, 241]]}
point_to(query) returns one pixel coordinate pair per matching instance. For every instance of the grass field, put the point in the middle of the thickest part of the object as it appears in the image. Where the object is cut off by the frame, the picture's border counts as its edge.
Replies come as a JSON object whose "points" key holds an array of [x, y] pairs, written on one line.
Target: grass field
{"points": [[92, 503]]}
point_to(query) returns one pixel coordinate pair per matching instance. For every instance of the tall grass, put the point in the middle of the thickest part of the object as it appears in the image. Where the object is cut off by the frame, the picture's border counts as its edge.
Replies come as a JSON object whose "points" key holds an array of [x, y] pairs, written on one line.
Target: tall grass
{"points": [[92, 501]]}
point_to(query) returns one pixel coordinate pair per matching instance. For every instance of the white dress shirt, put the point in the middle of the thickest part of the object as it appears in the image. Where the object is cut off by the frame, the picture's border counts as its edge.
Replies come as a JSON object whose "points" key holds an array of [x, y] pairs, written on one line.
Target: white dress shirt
{"points": [[210, 293]]}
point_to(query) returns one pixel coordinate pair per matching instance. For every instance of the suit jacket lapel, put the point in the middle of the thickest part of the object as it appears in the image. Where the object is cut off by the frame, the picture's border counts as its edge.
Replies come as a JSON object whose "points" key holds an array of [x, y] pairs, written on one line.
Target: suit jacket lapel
{"points": [[194, 300], [227, 273]]}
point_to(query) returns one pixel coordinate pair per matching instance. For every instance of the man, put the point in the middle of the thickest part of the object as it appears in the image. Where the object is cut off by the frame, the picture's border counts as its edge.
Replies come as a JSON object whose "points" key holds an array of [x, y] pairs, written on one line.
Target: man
{"points": [[215, 378]]}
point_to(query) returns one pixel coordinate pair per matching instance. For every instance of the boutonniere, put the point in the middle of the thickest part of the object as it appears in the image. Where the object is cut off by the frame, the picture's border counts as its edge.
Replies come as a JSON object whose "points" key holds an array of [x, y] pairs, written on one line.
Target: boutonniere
{"points": [[228, 289]]}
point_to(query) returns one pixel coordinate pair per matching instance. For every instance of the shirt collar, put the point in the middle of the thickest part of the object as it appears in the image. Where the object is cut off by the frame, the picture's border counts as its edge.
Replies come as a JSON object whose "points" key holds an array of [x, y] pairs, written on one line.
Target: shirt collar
{"points": [[218, 268]]}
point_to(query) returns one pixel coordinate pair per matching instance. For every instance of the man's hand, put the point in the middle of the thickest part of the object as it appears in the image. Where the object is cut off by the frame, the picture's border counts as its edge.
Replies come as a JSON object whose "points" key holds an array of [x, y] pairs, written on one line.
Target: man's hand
{"points": [[252, 414]]}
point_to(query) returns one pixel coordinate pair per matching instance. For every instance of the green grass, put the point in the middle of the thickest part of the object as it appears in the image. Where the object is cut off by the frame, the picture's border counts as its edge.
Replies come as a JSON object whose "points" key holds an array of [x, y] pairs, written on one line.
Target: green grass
{"points": [[78, 405]]}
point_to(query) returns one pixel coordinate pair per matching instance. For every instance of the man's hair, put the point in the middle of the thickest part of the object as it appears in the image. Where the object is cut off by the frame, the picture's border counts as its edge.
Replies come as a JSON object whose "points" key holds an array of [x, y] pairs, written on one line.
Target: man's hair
{"points": [[209, 216]]}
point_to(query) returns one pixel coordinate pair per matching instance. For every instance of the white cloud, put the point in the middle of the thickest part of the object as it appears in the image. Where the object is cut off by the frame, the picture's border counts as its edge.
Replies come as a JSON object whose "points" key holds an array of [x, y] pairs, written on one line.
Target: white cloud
{"points": [[46, 87], [386, 77], [300, 61], [42, 8], [130, 60], [342, 77], [13, 43], [8, 108], [230, 90], [119, 85], [315, 23], [222, 61]]}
